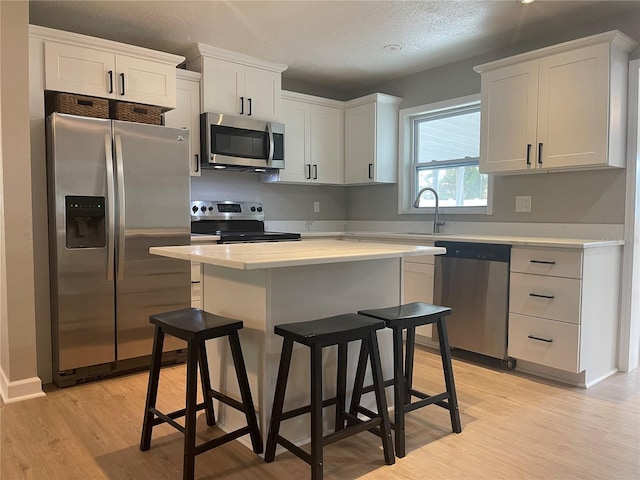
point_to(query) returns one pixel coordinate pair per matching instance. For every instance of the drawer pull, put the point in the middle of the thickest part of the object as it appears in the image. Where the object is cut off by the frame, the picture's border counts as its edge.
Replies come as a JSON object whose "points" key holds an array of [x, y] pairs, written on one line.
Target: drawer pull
{"points": [[542, 261], [550, 297], [547, 340]]}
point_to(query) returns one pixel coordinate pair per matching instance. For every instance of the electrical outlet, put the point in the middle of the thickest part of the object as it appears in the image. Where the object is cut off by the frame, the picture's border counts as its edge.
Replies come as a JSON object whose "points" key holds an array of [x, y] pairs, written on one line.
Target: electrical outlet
{"points": [[316, 207], [523, 203]]}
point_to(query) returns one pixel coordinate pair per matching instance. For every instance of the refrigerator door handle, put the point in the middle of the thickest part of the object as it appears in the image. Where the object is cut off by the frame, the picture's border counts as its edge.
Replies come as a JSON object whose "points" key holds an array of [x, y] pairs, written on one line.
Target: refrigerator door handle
{"points": [[121, 209], [111, 207]]}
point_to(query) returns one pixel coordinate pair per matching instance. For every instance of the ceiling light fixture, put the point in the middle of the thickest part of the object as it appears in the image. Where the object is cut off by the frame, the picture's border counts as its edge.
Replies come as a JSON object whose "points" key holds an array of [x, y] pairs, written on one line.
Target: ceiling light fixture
{"points": [[392, 48], [527, 1]]}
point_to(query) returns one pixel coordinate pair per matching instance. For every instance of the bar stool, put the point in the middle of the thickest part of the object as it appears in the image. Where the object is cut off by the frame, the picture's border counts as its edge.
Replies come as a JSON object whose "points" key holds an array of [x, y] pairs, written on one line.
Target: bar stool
{"points": [[195, 326], [316, 334], [408, 317]]}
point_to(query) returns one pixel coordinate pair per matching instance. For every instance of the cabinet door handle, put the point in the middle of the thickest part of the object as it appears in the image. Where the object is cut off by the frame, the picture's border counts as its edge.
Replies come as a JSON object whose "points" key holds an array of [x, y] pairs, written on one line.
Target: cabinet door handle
{"points": [[250, 102], [241, 105], [539, 295], [528, 154], [370, 172], [197, 162], [540, 153], [543, 261], [110, 81], [540, 339], [122, 82], [308, 175], [315, 171]]}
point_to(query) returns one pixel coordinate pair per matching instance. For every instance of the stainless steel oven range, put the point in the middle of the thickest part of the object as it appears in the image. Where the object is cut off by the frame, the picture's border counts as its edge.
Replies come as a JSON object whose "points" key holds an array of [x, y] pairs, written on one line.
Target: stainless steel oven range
{"points": [[234, 222]]}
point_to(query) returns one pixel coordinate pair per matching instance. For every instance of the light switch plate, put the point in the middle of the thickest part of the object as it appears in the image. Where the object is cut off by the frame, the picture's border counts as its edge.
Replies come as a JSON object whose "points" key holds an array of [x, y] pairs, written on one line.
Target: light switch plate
{"points": [[523, 203], [316, 207]]}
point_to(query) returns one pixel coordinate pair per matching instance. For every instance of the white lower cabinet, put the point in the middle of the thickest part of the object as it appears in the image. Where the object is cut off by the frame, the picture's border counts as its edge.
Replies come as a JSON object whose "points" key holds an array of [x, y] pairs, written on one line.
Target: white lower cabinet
{"points": [[564, 311], [418, 286]]}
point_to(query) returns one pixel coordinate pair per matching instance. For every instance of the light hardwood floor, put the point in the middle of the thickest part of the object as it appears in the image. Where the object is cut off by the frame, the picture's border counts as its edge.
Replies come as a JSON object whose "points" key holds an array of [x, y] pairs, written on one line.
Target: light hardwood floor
{"points": [[514, 427]]}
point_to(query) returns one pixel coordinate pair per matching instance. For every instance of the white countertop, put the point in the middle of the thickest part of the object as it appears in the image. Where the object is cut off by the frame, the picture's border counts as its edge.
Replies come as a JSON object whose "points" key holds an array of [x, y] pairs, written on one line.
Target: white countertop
{"points": [[500, 239], [416, 238], [251, 256]]}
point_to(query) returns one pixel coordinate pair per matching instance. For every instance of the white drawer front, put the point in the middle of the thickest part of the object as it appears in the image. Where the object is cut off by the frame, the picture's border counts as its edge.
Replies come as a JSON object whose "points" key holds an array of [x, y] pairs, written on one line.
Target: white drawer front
{"points": [[195, 271], [195, 291], [545, 342], [554, 298], [547, 261]]}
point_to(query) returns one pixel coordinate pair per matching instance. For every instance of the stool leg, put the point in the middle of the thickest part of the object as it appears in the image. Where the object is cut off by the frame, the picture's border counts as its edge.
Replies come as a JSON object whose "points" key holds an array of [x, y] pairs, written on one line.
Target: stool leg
{"points": [[206, 384], [278, 400], [408, 362], [341, 386], [188, 467], [399, 390], [152, 389], [245, 392], [381, 401], [358, 384], [447, 368], [316, 412]]}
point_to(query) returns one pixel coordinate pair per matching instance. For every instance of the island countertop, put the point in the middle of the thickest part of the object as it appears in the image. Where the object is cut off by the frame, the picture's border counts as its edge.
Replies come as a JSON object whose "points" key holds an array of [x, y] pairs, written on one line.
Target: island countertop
{"points": [[252, 256]]}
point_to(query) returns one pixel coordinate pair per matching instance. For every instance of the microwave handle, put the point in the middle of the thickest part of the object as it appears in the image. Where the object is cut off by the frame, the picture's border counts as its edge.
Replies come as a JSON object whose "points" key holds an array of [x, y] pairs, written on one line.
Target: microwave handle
{"points": [[271, 145]]}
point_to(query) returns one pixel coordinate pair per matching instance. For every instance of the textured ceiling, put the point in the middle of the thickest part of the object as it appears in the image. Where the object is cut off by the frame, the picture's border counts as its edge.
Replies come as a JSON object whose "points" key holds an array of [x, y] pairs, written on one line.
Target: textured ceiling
{"points": [[336, 44]]}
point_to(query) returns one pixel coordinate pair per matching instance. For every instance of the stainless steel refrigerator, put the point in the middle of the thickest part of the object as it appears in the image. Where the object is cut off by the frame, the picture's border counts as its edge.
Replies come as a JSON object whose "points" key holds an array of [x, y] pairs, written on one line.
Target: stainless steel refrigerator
{"points": [[115, 189]]}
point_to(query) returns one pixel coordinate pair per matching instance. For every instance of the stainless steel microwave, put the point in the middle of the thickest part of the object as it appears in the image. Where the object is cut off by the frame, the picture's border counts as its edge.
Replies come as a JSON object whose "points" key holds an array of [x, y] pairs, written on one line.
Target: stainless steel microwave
{"points": [[239, 143]]}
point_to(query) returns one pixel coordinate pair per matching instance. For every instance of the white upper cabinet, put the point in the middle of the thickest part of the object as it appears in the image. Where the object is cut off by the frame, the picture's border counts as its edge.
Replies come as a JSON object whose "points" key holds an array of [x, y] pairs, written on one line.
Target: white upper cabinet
{"points": [[101, 68], [371, 139], [508, 118], [558, 108], [187, 114], [236, 84], [314, 140]]}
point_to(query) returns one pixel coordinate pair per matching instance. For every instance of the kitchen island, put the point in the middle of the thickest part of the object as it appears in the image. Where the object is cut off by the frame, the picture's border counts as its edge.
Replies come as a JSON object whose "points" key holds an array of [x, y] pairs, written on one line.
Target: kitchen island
{"points": [[266, 284]]}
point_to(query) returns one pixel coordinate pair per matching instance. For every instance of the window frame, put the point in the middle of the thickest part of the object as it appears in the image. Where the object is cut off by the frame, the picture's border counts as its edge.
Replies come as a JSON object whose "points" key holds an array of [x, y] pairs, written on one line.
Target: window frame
{"points": [[407, 170]]}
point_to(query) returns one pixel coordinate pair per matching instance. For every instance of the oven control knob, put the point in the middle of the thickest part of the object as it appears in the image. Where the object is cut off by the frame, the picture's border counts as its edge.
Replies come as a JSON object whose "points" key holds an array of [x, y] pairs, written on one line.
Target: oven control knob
{"points": [[203, 208], [253, 209], [259, 209], [194, 209], [210, 208]]}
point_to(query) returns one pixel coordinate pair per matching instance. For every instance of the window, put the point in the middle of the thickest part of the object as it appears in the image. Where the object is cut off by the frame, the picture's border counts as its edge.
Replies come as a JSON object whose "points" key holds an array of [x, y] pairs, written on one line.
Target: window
{"points": [[441, 150]]}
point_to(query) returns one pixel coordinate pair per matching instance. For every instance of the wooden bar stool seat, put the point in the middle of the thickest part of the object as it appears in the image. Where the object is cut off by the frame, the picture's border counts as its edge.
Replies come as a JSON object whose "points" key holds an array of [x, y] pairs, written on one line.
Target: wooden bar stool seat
{"points": [[316, 334], [408, 317], [195, 327]]}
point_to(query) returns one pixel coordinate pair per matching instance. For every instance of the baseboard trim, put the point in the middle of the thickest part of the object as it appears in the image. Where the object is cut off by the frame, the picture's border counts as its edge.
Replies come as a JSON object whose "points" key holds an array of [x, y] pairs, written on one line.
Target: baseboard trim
{"points": [[20, 390]]}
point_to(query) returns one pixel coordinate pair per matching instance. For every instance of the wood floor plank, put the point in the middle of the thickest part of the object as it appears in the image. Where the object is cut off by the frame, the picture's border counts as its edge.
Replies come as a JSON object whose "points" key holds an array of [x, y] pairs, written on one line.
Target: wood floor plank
{"points": [[514, 427]]}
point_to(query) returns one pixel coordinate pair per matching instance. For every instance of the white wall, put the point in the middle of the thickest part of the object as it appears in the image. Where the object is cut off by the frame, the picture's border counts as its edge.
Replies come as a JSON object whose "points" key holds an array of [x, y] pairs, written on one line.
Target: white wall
{"points": [[18, 370]]}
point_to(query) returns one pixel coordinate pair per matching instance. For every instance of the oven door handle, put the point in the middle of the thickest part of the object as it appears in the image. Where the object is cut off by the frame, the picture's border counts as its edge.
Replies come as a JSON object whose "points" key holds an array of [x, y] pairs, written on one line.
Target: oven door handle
{"points": [[271, 145]]}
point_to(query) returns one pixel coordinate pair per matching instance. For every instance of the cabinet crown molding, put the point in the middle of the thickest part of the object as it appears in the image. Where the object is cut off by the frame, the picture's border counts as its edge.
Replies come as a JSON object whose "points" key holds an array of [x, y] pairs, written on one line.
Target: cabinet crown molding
{"points": [[615, 38], [60, 36], [303, 97], [202, 50], [188, 75], [374, 97]]}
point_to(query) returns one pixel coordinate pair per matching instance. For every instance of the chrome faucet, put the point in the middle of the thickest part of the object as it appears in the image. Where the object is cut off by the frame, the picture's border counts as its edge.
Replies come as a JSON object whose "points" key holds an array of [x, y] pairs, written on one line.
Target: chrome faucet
{"points": [[437, 223]]}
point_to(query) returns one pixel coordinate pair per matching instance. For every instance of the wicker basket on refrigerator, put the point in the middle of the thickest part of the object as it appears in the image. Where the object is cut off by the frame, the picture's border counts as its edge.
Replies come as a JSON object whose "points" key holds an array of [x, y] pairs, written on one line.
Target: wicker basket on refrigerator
{"points": [[135, 112]]}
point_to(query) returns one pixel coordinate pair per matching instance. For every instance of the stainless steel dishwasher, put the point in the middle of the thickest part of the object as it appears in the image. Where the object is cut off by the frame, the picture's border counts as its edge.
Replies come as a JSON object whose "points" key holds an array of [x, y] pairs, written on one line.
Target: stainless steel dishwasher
{"points": [[473, 279]]}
